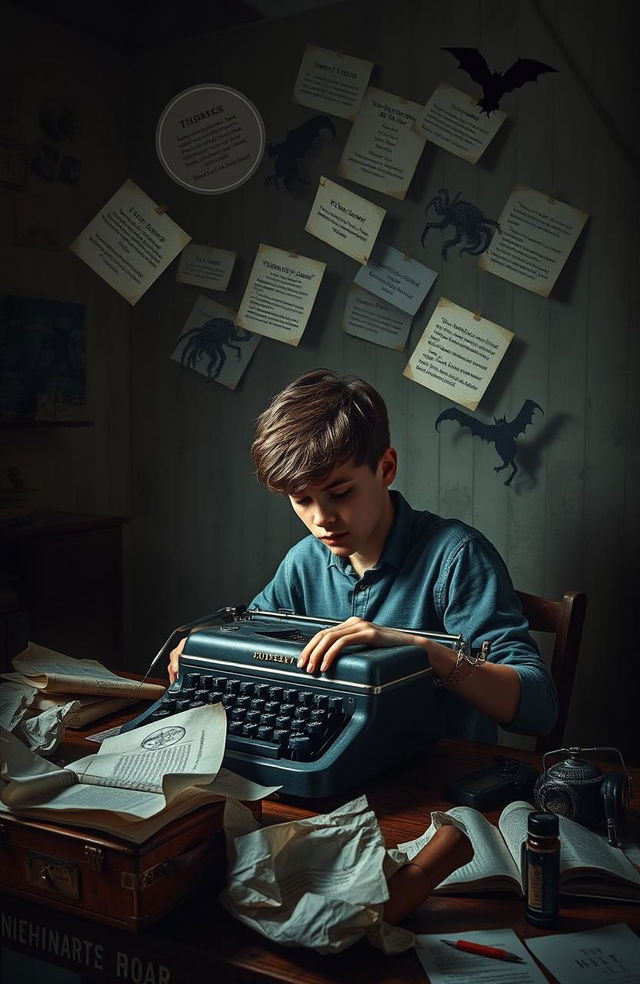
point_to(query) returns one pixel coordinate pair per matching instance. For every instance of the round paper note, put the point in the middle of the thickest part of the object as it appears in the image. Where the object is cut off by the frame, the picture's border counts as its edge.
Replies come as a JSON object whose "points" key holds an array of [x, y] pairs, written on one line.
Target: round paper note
{"points": [[210, 139]]}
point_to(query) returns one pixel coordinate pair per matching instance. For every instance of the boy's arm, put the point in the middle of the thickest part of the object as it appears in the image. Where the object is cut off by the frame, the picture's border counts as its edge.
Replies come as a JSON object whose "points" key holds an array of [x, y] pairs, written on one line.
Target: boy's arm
{"points": [[476, 600]]}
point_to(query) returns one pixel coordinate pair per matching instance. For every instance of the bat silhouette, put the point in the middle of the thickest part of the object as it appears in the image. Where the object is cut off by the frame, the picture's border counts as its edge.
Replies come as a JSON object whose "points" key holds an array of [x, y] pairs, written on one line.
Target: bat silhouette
{"points": [[495, 84], [502, 432], [296, 144]]}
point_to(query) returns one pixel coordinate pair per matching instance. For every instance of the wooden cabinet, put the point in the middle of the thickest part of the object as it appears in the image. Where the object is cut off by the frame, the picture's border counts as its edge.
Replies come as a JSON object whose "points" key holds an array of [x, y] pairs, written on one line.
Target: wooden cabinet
{"points": [[61, 586]]}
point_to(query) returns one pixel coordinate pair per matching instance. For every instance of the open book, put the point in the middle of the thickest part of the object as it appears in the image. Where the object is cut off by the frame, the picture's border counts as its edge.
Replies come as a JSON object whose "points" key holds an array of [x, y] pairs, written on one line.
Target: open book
{"points": [[588, 865], [136, 784], [53, 672]]}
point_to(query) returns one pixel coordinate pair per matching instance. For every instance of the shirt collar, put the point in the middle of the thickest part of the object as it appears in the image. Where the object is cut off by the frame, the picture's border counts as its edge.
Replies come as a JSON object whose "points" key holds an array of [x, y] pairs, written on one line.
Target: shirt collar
{"points": [[398, 540]]}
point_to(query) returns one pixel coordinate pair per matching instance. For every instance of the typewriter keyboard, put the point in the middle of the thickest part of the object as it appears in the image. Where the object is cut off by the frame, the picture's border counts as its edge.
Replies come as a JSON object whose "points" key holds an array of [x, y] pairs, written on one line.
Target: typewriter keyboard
{"points": [[264, 719]]}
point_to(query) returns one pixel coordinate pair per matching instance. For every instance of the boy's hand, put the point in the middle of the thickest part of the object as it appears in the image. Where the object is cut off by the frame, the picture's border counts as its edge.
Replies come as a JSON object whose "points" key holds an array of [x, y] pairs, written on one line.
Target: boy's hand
{"points": [[174, 660], [321, 651]]}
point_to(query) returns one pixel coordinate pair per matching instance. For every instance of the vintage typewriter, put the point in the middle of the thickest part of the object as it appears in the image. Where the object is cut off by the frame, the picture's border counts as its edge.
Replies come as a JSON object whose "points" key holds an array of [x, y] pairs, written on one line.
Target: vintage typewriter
{"points": [[315, 734]]}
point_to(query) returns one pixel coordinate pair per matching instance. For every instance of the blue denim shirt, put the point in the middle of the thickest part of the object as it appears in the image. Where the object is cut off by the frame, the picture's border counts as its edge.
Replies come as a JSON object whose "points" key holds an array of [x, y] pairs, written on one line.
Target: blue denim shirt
{"points": [[434, 574]]}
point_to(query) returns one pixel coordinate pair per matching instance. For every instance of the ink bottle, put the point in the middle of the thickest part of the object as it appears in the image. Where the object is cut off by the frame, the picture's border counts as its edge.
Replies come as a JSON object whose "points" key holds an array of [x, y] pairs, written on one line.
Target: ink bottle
{"points": [[541, 869]]}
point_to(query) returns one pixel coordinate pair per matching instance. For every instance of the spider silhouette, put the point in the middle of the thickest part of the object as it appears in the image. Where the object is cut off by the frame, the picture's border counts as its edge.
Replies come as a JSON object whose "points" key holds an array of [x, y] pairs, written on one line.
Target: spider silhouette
{"points": [[469, 221]]}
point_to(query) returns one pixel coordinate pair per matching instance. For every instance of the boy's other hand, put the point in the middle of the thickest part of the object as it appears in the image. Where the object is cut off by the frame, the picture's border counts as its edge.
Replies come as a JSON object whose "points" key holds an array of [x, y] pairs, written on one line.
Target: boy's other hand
{"points": [[174, 660], [321, 651]]}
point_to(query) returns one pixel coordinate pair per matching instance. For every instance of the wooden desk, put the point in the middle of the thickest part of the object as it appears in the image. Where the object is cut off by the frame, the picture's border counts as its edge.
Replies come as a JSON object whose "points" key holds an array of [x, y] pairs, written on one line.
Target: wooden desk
{"points": [[201, 941]]}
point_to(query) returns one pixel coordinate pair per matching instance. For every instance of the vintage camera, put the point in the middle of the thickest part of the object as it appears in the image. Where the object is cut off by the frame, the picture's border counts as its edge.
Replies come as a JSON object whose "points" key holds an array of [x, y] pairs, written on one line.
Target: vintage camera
{"points": [[578, 789], [494, 786]]}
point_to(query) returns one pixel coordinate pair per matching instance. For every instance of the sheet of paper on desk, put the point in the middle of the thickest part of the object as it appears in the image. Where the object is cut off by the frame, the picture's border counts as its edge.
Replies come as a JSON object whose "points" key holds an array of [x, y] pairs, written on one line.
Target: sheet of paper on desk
{"points": [[318, 882], [595, 956], [41, 732], [444, 965]]}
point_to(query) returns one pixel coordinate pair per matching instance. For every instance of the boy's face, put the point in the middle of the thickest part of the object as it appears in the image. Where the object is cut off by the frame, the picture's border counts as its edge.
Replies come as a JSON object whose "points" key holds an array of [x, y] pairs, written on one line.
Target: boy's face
{"points": [[350, 511]]}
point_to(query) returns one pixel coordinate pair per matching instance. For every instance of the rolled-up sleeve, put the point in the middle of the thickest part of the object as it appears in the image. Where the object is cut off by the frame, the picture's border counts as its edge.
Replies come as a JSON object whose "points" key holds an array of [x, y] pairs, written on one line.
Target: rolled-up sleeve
{"points": [[478, 601]]}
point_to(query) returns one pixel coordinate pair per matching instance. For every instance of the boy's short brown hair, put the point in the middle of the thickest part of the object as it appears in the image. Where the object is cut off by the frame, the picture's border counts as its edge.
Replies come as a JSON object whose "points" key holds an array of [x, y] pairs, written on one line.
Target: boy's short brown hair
{"points": [[317, 423]]}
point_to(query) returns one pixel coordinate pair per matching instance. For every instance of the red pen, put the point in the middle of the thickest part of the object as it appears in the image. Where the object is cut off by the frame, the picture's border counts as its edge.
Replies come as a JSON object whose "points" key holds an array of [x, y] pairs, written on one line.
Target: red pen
{"points": [[483, 951]]}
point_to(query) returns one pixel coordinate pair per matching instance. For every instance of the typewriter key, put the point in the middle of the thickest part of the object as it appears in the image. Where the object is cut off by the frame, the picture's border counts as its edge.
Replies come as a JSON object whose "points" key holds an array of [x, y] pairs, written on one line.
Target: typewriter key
{"points": [[283, 721], [246, 689], [268, 719], [302, 749], [262, 690], [193, 680], [232, 686], [169, 704], [335, 705], [318, 715], [214, 697], [238, 714], [253, 716], [264, 733], [219, 683], [290, 696], [315, 728], [183, 704], [188, 693], [287, 709], [159, 714], [275, 693], [250, 730], [243, 702], [272, 707], [257, 705], [206, 682], [305, 699], [322, 701], [281, 735], [228, 700]]}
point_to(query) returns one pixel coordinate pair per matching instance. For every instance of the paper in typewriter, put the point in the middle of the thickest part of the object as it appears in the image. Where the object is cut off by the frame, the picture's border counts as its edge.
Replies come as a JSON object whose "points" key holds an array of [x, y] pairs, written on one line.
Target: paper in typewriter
{"points": [[319, 882]]}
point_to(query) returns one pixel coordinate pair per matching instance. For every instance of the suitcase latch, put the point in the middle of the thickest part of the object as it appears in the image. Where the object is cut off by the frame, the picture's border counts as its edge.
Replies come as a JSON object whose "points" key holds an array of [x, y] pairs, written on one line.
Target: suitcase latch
{"points": [[94, 856], [53, 875]]}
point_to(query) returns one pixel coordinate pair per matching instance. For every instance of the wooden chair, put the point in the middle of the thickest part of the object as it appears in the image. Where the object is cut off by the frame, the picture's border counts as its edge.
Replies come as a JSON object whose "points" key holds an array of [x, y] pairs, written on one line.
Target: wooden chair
{"points": [[564, 620]]}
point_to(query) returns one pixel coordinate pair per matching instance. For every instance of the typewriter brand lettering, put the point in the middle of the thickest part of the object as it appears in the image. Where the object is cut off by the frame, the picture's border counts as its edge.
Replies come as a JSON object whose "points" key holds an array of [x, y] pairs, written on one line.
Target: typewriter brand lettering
{"points": [[275, 658]]}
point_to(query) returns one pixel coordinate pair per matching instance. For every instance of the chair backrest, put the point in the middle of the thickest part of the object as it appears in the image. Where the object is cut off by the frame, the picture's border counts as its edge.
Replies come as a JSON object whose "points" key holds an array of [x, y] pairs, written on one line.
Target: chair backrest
{"points": [[563, 619]]}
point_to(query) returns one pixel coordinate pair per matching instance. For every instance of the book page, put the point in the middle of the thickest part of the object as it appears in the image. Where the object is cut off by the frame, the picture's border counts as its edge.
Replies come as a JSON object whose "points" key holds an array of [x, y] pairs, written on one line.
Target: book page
{"points": [[49, 670], [445, 964], [160, 757], [580, 848], [594, 956], [491, 859]]}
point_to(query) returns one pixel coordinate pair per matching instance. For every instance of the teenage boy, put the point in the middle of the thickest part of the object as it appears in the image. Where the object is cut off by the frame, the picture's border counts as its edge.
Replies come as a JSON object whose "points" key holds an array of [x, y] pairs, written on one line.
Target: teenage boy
{"points": [[372, 561]]}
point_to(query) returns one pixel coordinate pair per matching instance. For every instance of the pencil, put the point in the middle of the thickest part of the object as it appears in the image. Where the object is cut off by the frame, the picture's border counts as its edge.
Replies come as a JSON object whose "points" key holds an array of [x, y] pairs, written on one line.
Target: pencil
{"points": [[483, 951]]}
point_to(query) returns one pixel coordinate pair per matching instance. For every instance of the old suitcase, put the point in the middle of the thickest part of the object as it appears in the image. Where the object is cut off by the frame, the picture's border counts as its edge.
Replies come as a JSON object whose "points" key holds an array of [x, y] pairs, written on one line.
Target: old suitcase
{"points": [[108, 879]]}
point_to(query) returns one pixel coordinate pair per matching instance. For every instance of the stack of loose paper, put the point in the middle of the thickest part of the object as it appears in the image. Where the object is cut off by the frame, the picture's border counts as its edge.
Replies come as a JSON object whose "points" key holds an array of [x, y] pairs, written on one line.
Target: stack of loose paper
{"points": [[49, 692], [136, 784]]}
